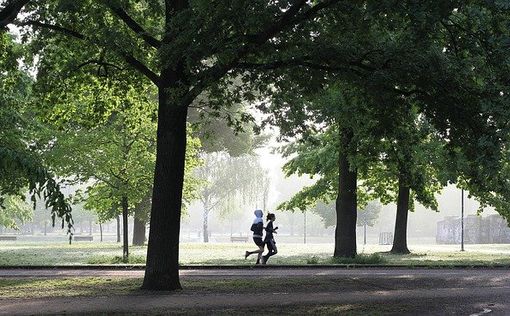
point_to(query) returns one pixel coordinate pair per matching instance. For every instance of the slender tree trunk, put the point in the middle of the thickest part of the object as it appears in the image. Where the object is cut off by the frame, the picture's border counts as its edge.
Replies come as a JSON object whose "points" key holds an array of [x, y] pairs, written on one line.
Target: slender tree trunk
{"points": [[162, 269], [100, 232], [364, 234], [138, 230], [45, 227], [346, 202], [118, 228], [400, 237], [125, 241], [206, 223], [140, 220], [90, 227]]}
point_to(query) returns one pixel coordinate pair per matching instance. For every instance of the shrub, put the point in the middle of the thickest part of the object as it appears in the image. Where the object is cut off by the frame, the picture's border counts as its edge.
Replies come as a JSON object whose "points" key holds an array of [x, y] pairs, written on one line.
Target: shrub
{"points": [[374, 258], [312, 260], [115, 259]]}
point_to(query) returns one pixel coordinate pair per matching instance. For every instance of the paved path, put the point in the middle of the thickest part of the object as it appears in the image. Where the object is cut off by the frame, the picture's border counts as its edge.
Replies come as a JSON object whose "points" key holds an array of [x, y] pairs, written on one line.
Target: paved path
{"points": [[395, 291]]}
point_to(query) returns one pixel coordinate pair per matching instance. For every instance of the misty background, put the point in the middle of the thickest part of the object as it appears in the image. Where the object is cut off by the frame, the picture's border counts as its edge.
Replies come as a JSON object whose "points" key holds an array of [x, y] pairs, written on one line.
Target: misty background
{"points": [[235, 220]]}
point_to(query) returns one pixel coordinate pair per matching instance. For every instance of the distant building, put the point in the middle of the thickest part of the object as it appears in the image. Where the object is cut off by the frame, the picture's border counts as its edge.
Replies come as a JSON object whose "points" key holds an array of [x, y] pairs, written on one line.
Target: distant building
{"points": [[492, 229]]}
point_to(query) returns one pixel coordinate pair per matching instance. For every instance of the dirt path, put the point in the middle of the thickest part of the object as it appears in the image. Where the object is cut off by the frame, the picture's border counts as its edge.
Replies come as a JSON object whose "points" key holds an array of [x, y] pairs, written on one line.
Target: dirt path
{"points": [[359, 291]]}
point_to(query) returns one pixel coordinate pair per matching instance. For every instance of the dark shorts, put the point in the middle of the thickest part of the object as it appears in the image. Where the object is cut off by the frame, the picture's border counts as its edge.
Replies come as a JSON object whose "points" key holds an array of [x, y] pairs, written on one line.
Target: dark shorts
{"points": [[258, 241]]}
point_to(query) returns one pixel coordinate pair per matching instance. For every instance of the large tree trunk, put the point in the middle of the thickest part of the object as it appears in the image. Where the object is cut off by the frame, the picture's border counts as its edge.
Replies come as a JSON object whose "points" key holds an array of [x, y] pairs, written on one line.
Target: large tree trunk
{"points": [[162, 269], [138, 229], [346, 202], [400, 237], [125, 247]]}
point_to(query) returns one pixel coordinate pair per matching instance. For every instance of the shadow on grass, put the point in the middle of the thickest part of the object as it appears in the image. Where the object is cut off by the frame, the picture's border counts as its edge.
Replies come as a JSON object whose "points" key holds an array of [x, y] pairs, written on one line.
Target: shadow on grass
{"points": [[68, 287]]}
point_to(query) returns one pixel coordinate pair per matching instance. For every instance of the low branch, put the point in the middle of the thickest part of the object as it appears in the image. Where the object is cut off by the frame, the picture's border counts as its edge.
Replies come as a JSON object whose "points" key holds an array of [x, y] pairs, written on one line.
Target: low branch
{"points": [[53, 27], [138, 65], [133, 25]]}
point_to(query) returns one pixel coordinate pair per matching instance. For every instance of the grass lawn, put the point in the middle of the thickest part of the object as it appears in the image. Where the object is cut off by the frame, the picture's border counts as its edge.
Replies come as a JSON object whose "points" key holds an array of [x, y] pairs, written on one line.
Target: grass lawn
{"points": [[59, 253]]}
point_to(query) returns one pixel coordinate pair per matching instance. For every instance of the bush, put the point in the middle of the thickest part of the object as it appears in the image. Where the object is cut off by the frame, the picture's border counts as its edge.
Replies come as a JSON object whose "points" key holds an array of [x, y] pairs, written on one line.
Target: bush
{"points": [[312, 260], [374, 258]]}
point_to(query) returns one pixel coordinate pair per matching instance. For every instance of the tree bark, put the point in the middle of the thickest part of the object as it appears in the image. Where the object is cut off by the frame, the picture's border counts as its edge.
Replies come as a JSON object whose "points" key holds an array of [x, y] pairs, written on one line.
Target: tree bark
{"points": [[125, 246], [100, 232], [162, 269], [138, 230], [346, 202], [400, 237]]}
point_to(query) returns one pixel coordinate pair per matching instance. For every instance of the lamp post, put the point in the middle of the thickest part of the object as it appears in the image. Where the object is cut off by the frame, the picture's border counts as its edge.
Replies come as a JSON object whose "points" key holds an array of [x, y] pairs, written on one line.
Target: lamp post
{"points": [[462, 220]]}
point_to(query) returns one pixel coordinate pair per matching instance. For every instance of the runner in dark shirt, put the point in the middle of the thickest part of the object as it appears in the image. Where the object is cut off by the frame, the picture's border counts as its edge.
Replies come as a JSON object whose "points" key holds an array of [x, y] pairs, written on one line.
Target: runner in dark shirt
{"points": [[256, 228], [269, 239]]}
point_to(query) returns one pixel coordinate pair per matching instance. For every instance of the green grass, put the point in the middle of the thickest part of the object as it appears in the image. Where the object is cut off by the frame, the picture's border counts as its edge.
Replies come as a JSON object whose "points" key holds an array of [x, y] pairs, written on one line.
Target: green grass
{"points": [[33, 253]]}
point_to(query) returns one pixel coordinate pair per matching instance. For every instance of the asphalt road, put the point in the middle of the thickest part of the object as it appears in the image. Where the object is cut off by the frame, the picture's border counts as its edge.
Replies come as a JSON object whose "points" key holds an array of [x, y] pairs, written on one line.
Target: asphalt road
{"points": [[375, 290]]}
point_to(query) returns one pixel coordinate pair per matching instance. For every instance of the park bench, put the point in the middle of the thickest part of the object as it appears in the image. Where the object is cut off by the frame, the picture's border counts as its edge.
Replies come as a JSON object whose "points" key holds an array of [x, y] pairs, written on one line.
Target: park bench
{"points": [[2, 238], [238, 238], [83, 238]]}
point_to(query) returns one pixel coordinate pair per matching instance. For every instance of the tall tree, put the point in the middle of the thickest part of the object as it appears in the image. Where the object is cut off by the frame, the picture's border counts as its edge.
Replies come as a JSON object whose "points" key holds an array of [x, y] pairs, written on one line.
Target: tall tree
{"points": [[15, 211], [226, 179], [368, 217], [173, 49], [347, 117], [117, 156], [20, 164]]}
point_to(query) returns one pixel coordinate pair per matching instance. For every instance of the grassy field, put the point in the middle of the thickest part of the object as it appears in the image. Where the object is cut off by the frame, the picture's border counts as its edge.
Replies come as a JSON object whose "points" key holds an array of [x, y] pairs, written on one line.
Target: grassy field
{"points": [[60, 253]]}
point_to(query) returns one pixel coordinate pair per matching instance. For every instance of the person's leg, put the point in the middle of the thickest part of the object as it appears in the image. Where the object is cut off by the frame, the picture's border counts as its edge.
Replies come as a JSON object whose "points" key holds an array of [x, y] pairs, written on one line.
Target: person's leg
{"points": [[260, 245], [271, 247], [260, 252]]}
